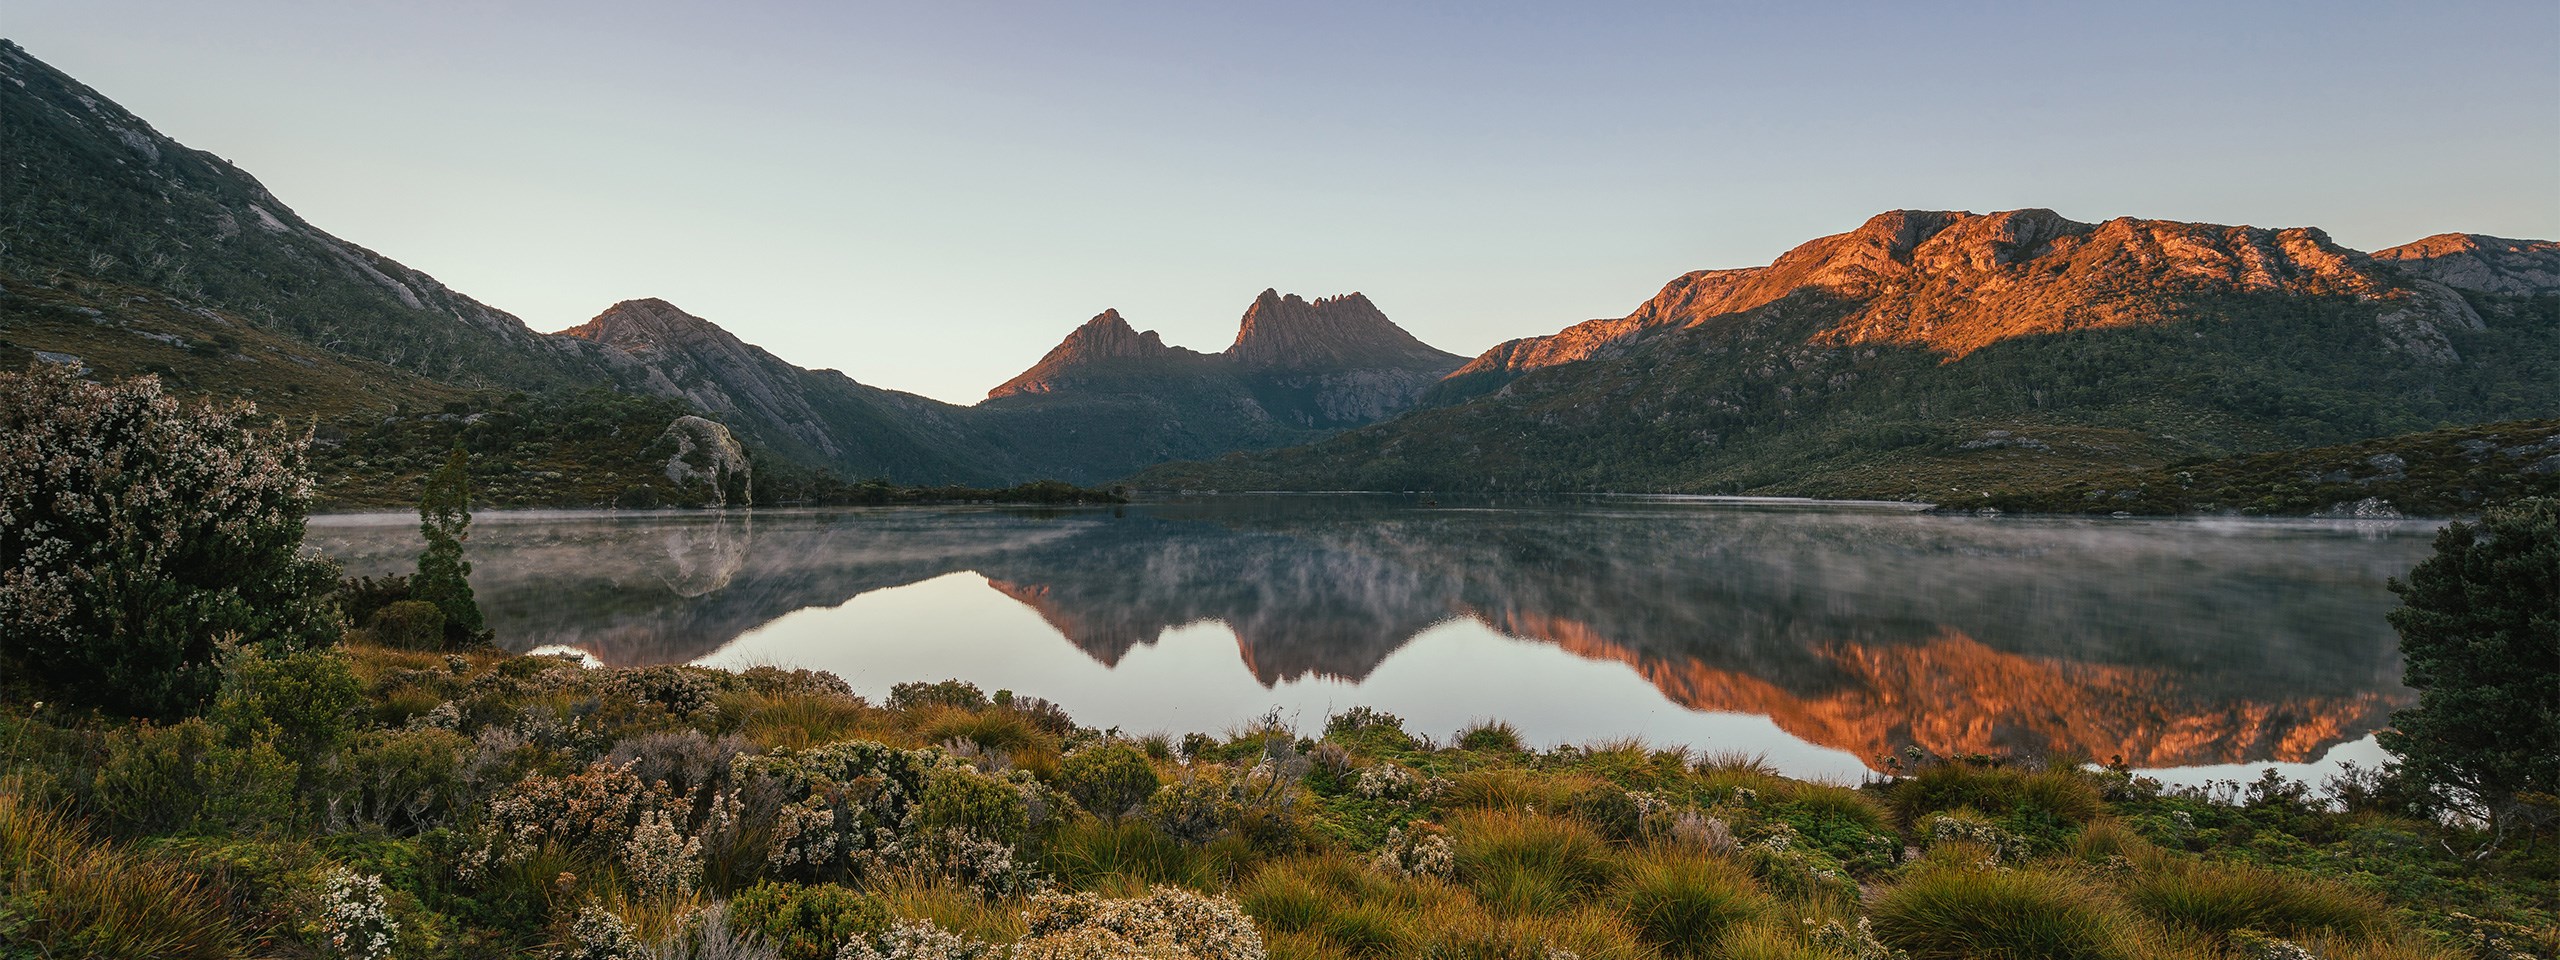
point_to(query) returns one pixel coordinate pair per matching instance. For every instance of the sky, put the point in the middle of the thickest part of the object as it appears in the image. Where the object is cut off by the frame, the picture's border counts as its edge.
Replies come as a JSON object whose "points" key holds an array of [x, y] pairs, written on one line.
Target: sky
{"points": [[929, 195]]}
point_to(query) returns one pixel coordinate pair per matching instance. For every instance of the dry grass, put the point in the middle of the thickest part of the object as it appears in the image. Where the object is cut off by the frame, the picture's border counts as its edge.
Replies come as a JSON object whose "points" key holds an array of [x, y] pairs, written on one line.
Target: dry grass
{"points": [[81, 898]]}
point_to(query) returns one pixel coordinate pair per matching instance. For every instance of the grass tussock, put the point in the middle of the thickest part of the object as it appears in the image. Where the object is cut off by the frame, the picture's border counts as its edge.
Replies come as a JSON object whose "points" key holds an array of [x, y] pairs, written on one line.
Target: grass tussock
{"points": [[1527, 863], [72, 896], [1680, 903], [1957, 913], [2222, 899], [2059, 796]]}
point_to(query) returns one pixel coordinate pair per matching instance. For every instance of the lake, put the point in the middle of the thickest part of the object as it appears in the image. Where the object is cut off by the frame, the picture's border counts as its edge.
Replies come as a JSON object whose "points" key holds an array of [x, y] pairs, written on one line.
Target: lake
{"points": [[1824, 636]]}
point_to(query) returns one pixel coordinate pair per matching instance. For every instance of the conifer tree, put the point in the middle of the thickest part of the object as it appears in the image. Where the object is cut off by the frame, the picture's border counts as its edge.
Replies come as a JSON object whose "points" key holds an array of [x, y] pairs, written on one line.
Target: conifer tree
{"points": [[444, 577], [2479, 629]]}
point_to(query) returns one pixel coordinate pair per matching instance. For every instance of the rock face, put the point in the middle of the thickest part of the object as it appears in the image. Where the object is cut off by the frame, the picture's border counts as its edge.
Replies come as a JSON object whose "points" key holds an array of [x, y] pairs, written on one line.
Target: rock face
{"points": [[1955, 282], [708, 463], [1339, 358], [2481, 264]]}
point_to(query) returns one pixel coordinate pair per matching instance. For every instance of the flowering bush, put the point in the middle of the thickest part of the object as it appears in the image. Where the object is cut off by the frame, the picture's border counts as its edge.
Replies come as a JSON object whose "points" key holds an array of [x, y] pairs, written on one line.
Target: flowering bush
{"points": [[599, 934], [355, 924], [1169, 922], [917, 940], [134, 532], [1387, 781], [1423, 851], [1962, 826]]}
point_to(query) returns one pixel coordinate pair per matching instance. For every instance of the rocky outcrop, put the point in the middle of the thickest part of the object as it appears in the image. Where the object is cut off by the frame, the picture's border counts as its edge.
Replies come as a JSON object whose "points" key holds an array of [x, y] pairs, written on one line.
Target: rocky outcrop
{"points": [[2481, 264], [707, 463], [1955, 282]]}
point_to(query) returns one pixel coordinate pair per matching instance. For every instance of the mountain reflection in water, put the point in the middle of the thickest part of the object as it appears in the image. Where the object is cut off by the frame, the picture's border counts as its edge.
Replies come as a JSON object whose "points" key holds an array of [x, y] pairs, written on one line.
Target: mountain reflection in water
{"points": [[2170, 644]]}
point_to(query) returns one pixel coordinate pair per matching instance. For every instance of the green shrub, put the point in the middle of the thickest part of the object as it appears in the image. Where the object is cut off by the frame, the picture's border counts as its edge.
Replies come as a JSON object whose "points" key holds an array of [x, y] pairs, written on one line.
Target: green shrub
{"points": [[1490, 736], [983, 806], [806, 922], [1108, 780], [2221, 899], [163, 779], [1945, 913], [1197, 807], [1370, 729], [400, 782], [1681, 903], [135, 534], [408, 625], [304, 701]]}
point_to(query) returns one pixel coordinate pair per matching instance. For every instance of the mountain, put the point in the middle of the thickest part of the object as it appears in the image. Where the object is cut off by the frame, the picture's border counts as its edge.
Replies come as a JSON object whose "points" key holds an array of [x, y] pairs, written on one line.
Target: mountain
{"points": [[89, 189], [1110, 400], [815, 416], [1931, 352]]}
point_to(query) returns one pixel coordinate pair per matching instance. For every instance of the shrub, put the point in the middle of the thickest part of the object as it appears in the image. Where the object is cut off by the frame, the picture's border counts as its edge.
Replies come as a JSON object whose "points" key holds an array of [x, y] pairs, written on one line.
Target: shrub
{"points": [[1491, 736], [359, 598], [1196, 807], [407, 625], [162, 779], [133, 533], [304, 701], [1108, 780], [1681, 904], [355, 923], [806, 922], [1168, 921], [1946, 913], [2222, 899], [401, 782], [958, 799], [2479, 626]]}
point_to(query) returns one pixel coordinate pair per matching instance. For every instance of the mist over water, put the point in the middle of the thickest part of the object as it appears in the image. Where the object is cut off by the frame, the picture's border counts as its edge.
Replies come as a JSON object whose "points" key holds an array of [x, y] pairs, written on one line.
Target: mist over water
{"points": [[1825, 636]]}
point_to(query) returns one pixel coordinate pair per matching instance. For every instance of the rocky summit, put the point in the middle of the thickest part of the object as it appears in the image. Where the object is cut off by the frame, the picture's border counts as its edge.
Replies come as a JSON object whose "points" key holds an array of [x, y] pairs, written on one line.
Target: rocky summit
{"points": [[1954, 282]]}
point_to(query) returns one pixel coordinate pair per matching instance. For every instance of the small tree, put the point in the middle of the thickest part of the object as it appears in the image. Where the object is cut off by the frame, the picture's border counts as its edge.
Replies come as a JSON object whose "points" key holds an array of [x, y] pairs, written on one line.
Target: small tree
{"points": [[2479, 627], [135, 532], [444, 577]]}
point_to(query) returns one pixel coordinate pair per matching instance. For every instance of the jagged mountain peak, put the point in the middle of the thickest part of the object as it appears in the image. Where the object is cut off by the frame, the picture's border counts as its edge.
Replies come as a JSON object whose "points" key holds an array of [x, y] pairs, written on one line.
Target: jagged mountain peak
{"points": [[1337, 332]]}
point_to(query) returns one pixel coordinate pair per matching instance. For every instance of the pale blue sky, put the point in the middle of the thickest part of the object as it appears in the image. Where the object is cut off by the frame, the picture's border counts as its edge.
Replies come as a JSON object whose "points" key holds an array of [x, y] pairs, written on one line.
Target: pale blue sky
{"points": [[928, 195]]}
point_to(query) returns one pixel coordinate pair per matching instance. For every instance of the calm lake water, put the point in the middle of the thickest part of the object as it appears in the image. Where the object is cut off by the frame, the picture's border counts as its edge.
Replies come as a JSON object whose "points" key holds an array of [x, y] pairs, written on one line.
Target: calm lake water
{"points": [[1821, 635]]}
